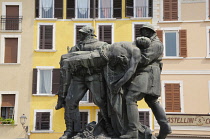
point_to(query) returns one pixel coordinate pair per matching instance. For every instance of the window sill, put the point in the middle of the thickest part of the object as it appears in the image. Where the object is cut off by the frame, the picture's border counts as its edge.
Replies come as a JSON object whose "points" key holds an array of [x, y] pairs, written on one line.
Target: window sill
{"points": [[44, 95], [8, 124], [105, 19], [11, 31], [46, 50], [173, 58], [170, 21], [208, 57], [82, 19], [86, 104], [47, 19], [140, 18], [9, 63], [42, 131]]}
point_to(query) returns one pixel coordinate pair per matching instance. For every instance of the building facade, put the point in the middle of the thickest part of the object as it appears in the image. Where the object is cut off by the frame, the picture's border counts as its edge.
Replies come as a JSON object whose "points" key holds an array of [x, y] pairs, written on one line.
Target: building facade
{"points": [[56, 26], [183, 27], [16, 43]]}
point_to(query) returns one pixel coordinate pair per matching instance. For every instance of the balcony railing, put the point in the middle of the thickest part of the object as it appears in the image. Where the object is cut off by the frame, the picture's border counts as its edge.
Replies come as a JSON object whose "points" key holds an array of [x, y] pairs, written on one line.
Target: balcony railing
{"points": [[141, 11], [11, 23], [105, 12]]}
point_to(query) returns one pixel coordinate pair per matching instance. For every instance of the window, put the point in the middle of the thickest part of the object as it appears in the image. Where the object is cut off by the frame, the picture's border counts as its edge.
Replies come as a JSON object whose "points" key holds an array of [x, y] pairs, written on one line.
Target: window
{"points": [[83, 9], [172, 96], [144, 118], [10, 48], [49, 9], [170, 10], [136, 30], [87, 97], [207, 9], [83, 119], [105, 33], [208, 41], [105, 10], [46, 35], [174, 41], [46, 80], [7, 106], [43, 120], [11, 18], [94, 9], [139, 8], [77, 27]]}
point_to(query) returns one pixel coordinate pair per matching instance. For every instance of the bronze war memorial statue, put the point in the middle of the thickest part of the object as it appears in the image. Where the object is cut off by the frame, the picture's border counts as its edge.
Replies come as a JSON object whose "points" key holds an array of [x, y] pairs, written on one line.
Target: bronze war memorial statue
{"points": [[118, 75]]}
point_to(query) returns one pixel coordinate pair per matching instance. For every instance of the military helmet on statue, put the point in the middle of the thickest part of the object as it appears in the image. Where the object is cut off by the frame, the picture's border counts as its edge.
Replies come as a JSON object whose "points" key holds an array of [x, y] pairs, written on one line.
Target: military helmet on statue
{"points": [[88, 30], [148, 26]]}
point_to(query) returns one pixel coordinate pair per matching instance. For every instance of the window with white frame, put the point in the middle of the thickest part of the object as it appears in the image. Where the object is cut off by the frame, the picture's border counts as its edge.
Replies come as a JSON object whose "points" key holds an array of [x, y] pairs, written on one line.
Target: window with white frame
{"points": [[208, 40], [83, 9], [84, 118], [105, 8], [171, 43], [105, 33], [139, 8], [49, 9], [77, 27], [8, 107], [10, 49], [172, 96], [46, 36], [42, 120], [11, 18], [174, 41], [46, 80], [145, 117], [86, 97]]}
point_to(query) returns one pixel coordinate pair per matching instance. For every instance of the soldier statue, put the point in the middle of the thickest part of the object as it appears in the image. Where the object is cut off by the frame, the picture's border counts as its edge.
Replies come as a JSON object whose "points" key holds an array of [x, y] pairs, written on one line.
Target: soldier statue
{"points": [[75, 83], [146, 84]]}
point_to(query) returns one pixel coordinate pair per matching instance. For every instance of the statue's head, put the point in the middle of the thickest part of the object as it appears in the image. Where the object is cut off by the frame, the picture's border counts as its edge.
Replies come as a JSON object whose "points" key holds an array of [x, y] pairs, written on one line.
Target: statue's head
{"points": [[86, 31], [147, 30]]}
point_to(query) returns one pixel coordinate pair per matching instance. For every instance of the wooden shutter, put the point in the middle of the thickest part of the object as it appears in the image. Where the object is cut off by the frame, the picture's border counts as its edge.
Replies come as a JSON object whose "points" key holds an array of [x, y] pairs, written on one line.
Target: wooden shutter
{"points": [[117, 10], [166, 10], [37, 8], [70, 13], [42, 121], [136, 29], [99, 116], [144, 118], [150, 8], [84, 119], [170, 10], [46, 37], [129, 8], [172, 97], [55, 81], [105, 33], [93, 8], [90, 97], [183, 43], [12, 17], [174, 12], [8, 100], [209, 9], [160, 34], [77, 33], [58, 11], [11, 50], [34, 84]]}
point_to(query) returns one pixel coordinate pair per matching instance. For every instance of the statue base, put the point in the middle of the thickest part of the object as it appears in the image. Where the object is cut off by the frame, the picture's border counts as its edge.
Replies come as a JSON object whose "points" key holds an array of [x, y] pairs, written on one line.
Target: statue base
{"points": [[96, 131]]}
